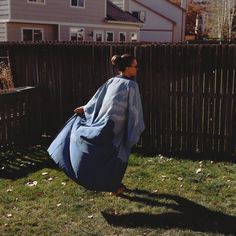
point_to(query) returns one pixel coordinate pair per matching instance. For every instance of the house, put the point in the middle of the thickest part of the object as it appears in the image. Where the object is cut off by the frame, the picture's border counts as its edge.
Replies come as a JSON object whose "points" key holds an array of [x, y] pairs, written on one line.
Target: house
{"points": [[79, 20], [163, 20]]}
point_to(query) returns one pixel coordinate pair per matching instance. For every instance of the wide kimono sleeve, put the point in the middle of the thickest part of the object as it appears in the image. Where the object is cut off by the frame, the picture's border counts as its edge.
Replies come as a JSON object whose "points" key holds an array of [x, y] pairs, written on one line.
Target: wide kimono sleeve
{"points": [[94, 104], [135, 124]]}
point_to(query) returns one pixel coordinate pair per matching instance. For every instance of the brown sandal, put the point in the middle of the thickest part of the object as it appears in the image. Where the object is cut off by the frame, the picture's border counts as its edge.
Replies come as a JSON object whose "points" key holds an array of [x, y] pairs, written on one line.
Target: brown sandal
{"points": [[120, 190]]}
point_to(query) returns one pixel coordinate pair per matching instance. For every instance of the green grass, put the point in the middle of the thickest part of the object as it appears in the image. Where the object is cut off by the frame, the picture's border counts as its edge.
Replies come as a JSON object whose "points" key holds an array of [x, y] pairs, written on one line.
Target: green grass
{"points": [[166, 197]]}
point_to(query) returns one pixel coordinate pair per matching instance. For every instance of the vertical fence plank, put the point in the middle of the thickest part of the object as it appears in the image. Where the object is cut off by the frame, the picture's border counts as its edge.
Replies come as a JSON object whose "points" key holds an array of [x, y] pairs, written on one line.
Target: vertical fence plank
{"points": [[230, 88], [233, 114], [224, 84]]}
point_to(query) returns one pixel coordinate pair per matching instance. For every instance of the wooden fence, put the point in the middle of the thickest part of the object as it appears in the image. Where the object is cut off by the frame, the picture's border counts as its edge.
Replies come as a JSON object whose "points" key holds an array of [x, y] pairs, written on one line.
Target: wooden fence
{"points": [[188, 91], [19, 117]]}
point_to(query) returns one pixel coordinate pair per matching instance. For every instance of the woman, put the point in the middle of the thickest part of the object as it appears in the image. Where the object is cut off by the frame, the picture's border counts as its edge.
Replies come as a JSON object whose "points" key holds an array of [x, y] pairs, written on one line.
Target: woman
{"points": [[94, 146]]}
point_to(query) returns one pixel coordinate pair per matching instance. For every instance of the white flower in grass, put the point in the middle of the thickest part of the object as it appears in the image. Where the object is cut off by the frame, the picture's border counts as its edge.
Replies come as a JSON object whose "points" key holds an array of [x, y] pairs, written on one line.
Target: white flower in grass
{"points": [[31, 183], [199, 170], [45, 173]]}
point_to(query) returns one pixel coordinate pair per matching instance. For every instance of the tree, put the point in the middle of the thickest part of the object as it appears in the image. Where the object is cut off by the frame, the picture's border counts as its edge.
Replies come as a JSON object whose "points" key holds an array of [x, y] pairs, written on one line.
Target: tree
{"points": [[194, 10], [193, 13], [220, 18]]}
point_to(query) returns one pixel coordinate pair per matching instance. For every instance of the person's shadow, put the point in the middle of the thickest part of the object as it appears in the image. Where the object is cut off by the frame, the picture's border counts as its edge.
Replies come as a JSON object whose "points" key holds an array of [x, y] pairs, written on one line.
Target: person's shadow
{"points": [[182, 214]]}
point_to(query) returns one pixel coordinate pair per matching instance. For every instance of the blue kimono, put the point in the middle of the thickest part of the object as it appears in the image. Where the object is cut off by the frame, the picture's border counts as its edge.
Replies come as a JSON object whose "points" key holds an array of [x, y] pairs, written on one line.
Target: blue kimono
{"points": [[94, 149]]}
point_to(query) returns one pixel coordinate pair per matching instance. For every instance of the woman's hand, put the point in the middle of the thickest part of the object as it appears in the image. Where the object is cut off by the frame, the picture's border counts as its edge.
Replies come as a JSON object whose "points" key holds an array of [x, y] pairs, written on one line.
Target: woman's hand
{"points": [[79, 110]]}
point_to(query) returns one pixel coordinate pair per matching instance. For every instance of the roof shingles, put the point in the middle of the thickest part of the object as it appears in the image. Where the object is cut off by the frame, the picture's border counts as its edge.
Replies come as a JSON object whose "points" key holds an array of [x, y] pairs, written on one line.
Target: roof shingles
{"points": [[114, 13]]}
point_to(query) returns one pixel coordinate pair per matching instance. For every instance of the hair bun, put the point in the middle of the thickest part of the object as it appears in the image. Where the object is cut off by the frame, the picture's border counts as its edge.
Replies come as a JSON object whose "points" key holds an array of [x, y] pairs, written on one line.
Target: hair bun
{"points": [[115, 60]]}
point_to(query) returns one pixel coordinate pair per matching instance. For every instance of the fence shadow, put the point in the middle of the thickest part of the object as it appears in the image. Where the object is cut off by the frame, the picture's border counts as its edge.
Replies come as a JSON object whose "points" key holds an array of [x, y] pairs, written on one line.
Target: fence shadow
{"points": [[182, 214], [19, 162], [216, 157]]}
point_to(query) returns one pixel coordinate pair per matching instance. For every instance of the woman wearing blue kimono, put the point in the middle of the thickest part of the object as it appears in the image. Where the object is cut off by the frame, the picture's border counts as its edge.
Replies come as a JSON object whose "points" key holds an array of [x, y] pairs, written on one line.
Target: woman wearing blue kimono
{"points": [[94, 146]]}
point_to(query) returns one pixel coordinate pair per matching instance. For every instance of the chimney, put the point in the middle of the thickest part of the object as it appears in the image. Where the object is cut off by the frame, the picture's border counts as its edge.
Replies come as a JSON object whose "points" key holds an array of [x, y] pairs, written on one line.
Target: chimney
{"points": [[184, 4]]}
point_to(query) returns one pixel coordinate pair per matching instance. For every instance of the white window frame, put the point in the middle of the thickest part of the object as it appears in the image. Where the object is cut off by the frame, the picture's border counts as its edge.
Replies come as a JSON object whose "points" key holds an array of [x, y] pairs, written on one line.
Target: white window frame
{"points": [[78, 29], [98, 32], [131, 36], [83, 7], [142, 15], [112, 34], [24, 28], [36, 2], [125, 36]]}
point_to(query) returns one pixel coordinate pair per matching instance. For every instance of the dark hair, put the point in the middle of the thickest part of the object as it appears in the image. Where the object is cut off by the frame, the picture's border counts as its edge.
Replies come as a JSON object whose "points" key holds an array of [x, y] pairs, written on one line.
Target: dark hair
{"points": [[122, 61]]}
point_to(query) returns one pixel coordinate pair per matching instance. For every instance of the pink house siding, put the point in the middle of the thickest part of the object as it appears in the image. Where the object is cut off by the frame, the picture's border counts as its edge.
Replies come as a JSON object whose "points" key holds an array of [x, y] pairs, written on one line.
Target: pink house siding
{"points": [[58, 11], [55, 18], [165, 21], [14, 33], [4, 9]]}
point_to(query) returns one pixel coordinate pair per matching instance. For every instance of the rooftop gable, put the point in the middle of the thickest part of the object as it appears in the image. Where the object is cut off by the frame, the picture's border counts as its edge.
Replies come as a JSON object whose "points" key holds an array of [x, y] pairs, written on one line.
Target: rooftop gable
{"points": [[114, 13], [157, 13], [176, 5]]}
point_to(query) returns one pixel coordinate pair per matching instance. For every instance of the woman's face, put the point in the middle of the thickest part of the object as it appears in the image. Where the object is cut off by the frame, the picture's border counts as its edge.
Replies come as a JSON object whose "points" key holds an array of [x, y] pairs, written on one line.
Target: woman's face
{"points": [[131, 71]]}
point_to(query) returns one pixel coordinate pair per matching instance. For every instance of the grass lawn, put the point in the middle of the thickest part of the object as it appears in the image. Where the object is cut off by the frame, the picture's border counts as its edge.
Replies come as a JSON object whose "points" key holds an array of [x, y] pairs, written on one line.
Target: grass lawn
{"points": [[166, 196]]}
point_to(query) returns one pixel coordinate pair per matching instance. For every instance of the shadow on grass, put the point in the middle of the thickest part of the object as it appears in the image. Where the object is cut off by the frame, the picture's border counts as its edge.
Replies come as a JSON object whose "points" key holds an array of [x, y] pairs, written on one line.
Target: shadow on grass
{"points": [[182, 214], [19, 162]]}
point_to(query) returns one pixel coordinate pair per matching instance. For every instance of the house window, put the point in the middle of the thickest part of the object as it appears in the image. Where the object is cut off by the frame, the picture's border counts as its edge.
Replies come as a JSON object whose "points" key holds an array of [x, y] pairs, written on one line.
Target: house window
{"points": [[32, 34], [134, 37], [78, 3], [141, 15], [109, 36], [37, 1], [98, 36], [77, 34], [122, 36]]}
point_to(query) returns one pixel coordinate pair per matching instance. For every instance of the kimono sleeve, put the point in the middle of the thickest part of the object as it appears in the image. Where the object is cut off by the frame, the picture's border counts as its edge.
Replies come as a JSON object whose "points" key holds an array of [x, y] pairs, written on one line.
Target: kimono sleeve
{"points": [[135, 120], [94, 104]]}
